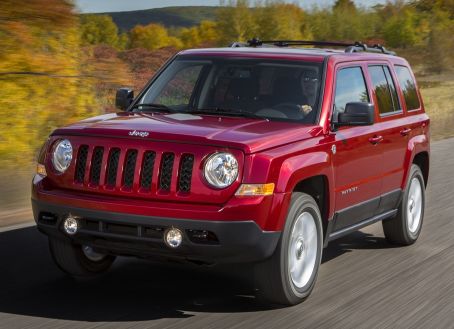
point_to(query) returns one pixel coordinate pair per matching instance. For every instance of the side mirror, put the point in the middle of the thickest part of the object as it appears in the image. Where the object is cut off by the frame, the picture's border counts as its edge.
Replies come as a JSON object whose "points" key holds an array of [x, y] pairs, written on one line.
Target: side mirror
{"points": [[124, 98], [357, 114]]}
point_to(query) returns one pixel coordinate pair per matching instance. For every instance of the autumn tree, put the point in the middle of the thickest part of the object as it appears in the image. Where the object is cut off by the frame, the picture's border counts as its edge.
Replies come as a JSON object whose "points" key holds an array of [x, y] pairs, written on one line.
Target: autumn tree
{"points": [[99, 29], [46, 82], [151, 37], [278, 20], [235, 21]]}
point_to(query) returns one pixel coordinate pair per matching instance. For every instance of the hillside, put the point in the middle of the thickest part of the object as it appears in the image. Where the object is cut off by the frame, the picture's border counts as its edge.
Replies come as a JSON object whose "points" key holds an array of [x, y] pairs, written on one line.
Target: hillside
{"points": [[168, 16]]}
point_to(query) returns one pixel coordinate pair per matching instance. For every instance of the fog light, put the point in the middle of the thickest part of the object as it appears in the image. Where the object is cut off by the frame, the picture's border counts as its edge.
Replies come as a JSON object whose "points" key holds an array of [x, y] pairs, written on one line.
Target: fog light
{"points": [[173, 237], [71, 225]]}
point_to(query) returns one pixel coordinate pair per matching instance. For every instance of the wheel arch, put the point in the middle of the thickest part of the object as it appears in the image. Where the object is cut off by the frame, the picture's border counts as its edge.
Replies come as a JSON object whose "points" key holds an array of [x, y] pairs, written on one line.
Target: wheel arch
{"points": [[421, 159], [318, 188], [417, 153], [311, 173]]}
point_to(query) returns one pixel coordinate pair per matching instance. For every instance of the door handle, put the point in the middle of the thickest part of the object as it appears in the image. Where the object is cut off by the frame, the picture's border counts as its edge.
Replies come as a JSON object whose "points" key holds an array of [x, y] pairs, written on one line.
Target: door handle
{"points": [[405, 132], [376, 139]]}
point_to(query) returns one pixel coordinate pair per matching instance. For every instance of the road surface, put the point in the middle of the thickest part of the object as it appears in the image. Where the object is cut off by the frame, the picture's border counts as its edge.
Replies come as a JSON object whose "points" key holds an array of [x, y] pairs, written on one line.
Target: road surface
{"points": [[363, 283]]}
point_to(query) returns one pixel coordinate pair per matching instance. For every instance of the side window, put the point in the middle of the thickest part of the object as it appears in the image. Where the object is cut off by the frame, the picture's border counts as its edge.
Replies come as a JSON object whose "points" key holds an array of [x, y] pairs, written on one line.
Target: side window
{"points": [[408, 86], [179, 89], [384, 89], [350, 87]]}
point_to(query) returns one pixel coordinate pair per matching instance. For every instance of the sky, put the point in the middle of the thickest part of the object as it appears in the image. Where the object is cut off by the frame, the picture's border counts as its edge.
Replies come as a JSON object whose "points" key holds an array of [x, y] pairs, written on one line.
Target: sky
{"points": [[96, 6]]}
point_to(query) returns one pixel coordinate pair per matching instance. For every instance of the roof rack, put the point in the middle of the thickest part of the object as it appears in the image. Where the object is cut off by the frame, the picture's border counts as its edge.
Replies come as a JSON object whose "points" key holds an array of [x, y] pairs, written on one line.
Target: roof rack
{"points": [[349, 47]]}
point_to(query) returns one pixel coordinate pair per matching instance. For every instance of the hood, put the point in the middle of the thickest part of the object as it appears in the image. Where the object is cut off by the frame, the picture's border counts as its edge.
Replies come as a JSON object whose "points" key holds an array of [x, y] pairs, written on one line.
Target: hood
{"points": [[249, 135]]}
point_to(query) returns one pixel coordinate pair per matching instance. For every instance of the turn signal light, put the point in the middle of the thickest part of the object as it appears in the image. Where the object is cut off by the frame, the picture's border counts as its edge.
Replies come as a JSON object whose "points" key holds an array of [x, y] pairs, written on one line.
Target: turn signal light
{"points": [[41, 170], [255, 189]]}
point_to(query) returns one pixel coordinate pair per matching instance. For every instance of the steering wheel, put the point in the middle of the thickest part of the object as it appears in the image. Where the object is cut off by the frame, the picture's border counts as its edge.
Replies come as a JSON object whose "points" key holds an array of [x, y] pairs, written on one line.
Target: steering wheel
{"points": [[291, 110]]}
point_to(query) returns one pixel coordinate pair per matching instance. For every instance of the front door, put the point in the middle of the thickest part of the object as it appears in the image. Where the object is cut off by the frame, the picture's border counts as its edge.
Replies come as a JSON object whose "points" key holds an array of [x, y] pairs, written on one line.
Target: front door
{"points": [[357, 156]]}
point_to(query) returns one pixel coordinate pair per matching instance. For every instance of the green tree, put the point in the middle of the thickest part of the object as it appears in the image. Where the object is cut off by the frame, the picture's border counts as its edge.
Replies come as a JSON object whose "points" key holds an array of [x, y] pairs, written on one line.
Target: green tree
{"points": [[235, 21], [279, 20], [99, 29]]}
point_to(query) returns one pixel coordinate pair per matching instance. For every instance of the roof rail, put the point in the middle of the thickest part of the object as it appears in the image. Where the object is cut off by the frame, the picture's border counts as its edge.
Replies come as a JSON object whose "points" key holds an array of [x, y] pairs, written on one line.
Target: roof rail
{"points": [[349, 47]]}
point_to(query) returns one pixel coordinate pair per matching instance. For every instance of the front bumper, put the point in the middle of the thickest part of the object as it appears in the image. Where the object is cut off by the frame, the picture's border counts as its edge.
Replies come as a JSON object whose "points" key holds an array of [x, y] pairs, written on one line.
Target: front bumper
{"points": [[142, 236]]}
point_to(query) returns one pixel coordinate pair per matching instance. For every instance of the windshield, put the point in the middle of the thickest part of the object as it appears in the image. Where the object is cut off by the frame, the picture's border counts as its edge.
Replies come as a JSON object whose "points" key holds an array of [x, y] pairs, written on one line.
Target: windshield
{"points": [[258, 88]]}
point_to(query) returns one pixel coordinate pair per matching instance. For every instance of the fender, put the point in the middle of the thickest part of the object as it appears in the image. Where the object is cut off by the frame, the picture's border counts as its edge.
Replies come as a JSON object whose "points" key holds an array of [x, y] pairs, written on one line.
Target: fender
{"points": [[301, 167], [416, 144]]}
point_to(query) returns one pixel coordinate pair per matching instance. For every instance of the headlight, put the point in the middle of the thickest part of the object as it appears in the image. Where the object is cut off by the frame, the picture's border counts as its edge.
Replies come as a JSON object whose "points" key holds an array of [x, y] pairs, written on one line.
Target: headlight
{"points": [[221, 169], [62, 156]]}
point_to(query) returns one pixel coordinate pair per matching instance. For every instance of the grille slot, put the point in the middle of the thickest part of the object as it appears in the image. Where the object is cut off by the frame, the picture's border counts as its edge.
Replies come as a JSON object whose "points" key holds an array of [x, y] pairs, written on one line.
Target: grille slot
{"points": [[81, 163], [138, 170], [130, 166], [112, 166], [165, 177], [147, 169], [185, 176], [96, 162]]}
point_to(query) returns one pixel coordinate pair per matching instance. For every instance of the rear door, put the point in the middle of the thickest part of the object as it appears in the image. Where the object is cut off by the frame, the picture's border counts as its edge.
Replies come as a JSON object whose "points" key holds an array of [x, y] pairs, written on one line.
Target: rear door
{"points": [[392, 124], [357, 158]]}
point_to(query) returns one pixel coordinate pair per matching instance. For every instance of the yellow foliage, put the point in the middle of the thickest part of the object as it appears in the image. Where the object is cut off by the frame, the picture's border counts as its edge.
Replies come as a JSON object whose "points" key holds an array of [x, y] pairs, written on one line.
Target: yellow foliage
{"points": [[151, 37]]}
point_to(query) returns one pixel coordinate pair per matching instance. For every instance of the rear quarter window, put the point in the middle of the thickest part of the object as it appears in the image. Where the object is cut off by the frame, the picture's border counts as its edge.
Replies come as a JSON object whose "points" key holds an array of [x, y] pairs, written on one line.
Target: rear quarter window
{"points": [[408, 86], [384, 89]]}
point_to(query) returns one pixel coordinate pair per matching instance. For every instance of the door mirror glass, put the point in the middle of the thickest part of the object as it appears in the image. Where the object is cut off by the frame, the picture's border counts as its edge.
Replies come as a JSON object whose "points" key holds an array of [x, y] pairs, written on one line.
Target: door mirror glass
{"points": [[357, 114], [124, 98]]}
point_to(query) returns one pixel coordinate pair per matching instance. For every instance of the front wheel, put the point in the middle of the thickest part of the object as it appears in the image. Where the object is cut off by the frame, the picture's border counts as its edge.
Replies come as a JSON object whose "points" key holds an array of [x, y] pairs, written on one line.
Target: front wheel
{"points": [[289, 276], [78, 261], [404, 229]]}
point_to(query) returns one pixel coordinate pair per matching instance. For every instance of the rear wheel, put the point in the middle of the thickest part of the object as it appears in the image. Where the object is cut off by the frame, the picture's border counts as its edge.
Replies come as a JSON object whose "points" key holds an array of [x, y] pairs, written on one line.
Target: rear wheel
{"points": [[78, 261], [289, 276], [404, 229]]}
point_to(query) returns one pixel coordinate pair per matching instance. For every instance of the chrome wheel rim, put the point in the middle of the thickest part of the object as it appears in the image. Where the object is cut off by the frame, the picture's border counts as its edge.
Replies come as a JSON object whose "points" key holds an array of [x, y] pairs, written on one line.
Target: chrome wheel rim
{"points": [[414, 205], [302, 250], [91, 254]]}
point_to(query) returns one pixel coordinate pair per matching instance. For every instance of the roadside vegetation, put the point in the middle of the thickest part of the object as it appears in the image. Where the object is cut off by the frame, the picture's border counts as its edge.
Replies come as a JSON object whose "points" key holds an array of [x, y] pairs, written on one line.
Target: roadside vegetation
{"points": [[57, 66]]}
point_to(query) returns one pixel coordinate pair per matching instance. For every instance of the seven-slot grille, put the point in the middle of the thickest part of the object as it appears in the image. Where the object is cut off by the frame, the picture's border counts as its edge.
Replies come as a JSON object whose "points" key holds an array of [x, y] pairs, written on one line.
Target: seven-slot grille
{"points": [[89, 167]]}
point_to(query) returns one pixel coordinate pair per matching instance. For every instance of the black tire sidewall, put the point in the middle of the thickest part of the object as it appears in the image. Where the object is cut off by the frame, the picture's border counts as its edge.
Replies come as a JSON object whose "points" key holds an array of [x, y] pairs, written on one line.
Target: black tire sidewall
{"points": [[300, 203], [415, 172], [70, 258]]}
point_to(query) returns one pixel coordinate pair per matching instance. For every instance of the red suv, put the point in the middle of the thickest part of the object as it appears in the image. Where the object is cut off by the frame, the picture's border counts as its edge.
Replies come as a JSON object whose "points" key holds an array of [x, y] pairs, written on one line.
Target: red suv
{"points": [[259, 153]]}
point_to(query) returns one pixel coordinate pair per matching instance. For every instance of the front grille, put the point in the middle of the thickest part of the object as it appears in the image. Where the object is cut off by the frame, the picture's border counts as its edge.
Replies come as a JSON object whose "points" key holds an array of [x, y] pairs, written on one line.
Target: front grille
{"points": [[81, 163], [166, 171], [143, 231], [130, 167], [131, 164], [147, 169], [96, 162], [184, 179], [112, 166], [123, 229]]}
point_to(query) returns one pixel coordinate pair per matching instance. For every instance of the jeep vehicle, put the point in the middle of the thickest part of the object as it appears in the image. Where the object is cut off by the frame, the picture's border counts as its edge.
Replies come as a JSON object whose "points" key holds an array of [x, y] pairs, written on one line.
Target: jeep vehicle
{"points": [[259, 153]]}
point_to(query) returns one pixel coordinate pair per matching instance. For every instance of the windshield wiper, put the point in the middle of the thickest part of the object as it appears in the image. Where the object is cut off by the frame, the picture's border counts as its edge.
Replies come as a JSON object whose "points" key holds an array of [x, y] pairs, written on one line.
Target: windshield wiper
{"points": [[153, 107], [227, 112]]}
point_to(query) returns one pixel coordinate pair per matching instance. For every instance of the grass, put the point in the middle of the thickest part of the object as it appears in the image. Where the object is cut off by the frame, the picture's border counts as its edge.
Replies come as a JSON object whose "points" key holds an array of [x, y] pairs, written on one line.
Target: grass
{"points": [[438, 95]]}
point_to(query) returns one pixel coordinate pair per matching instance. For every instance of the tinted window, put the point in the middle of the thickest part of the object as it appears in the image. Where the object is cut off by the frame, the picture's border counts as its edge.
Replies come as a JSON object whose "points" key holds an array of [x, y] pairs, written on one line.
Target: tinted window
{"points": [[384, 89], [350, 87], [179, 89], [408, 86], [278, 90]]}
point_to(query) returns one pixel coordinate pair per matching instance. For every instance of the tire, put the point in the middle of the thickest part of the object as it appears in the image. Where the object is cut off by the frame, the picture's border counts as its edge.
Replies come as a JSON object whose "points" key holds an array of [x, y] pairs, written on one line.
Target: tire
{"points": [[275, 281], [404, 229], [71, 259]]}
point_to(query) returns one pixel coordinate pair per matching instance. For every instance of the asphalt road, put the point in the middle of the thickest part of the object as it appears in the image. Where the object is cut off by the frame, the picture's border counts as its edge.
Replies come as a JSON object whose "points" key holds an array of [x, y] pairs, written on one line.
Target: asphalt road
{"points": [[364, 282]]}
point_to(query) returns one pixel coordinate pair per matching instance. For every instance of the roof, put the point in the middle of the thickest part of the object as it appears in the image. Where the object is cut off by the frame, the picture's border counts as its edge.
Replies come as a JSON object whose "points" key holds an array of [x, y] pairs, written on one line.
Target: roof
{"points": [[286, 52]]}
